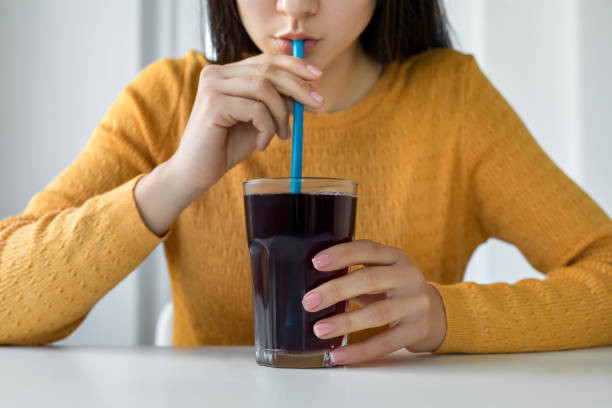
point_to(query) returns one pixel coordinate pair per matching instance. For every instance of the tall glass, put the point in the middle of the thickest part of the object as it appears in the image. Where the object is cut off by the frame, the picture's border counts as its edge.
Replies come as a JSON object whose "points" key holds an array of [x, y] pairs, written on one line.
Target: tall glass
{"points": [[285, 231]]}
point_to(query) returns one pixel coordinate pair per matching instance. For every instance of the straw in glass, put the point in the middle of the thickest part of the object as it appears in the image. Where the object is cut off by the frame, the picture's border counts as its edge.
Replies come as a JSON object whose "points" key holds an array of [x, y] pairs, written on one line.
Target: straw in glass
{"points": [[298, 126]]}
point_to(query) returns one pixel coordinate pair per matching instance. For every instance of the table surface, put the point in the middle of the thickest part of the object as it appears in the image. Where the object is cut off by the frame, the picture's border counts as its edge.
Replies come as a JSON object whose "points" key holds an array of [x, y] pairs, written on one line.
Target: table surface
{"points": [[229, 377]]}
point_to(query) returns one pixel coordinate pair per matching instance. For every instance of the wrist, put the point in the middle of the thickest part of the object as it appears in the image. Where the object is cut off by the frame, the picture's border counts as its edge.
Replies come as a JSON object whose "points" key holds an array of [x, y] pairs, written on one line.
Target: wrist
{"points": [[438, 321], [184, 185], [177, 183], [161, 196]]}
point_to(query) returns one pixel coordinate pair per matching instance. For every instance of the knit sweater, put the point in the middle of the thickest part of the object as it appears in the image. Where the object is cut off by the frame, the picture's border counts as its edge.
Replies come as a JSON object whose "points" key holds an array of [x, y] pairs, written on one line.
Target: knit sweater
{"points": [[443, 164]]}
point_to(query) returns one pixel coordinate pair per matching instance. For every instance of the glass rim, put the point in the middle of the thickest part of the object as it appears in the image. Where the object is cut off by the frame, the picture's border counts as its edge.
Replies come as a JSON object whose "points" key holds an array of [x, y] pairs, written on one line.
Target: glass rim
{"points": [[259, 180]]}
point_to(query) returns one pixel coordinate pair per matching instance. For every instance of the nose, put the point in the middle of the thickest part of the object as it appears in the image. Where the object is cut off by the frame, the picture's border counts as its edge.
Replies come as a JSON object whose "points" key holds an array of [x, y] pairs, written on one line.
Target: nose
{"points": [[297, 9]]}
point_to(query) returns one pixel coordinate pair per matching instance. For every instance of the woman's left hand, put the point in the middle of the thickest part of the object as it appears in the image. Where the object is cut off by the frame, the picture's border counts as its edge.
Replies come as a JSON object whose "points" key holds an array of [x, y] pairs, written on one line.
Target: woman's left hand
{"points": [[389, 289]]}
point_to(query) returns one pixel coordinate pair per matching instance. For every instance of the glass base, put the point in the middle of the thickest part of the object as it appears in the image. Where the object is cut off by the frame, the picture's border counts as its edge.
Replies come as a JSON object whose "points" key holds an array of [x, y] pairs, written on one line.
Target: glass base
{"points": [[286, 359]]}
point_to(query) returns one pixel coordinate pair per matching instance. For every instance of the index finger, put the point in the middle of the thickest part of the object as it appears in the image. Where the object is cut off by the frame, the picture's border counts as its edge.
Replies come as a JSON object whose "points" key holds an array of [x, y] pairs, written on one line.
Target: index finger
{"points": [[360, 252], [297, 66]]}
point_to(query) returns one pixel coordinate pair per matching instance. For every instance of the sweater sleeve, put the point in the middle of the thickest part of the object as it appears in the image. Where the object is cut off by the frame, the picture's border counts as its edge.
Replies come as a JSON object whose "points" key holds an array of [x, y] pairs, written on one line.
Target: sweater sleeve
{"points": [[83, 234], [520, 196]]}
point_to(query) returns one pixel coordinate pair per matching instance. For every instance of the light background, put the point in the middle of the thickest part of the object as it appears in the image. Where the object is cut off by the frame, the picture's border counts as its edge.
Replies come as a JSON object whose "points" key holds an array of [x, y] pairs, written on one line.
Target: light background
{"points": [[65, 61]]}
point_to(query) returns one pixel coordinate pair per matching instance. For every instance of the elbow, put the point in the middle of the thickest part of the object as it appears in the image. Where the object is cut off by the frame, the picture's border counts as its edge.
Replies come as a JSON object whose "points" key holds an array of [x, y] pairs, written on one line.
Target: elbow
{"points": [[33, 337]]}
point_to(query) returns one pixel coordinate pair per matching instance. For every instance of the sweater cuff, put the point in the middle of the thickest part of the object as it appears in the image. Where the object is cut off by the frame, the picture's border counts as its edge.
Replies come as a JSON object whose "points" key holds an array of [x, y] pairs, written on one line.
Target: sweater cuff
{"points": [[126, 222], [459, 319]]}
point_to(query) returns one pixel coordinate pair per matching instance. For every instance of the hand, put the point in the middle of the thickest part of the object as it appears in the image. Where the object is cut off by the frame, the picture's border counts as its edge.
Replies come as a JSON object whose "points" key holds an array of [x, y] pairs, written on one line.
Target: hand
{"points": [[238, 108], [389, 289]]}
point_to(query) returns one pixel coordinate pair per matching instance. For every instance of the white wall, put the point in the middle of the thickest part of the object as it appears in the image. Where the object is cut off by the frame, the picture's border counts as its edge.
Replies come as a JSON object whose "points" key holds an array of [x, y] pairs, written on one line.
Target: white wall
{"points": [[65, 61]]}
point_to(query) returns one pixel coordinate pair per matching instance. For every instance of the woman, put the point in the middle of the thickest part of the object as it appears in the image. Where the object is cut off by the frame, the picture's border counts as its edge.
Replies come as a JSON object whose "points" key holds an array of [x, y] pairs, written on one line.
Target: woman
{"points": [[442, 160]]}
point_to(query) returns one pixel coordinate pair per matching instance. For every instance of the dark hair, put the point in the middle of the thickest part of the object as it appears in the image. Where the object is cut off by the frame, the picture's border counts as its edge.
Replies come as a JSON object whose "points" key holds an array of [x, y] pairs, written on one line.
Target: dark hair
{"points": [[397, 30]]}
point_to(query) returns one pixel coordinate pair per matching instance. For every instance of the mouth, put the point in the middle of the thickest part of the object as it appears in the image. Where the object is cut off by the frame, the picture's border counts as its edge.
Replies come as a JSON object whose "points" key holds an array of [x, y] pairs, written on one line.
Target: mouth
{"points": [[284, 43]]}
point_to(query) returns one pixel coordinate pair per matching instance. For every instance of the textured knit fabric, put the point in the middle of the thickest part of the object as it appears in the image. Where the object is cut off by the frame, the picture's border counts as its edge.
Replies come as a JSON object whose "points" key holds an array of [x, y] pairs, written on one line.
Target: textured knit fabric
{"points": [[443, 164]]}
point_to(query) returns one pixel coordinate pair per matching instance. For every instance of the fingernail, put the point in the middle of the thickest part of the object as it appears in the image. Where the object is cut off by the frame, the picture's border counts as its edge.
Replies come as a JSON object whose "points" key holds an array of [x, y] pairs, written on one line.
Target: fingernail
{"points": [[321, 260], [317, 96], [339, 356], [312, 300], [314, 70], [321, 329]]}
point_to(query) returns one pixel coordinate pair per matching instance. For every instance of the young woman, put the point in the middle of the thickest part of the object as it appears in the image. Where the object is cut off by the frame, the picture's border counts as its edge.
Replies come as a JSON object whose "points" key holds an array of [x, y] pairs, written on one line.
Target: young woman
{"points": [[442, 160]]}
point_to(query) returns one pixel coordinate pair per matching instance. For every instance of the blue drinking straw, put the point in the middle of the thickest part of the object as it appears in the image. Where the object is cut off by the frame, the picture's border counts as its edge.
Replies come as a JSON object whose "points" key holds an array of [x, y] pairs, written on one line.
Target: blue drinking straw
{"points": [[298, 126]]}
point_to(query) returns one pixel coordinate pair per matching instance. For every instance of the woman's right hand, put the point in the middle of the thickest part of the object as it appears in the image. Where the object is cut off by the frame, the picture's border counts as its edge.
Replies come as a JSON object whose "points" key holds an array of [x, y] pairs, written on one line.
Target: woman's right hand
{"points": [[238, 107]]}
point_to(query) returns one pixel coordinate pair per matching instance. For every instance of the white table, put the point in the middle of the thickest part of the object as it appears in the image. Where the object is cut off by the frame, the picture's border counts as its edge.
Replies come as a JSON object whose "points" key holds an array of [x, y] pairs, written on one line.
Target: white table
{"points": [[229, 377]]}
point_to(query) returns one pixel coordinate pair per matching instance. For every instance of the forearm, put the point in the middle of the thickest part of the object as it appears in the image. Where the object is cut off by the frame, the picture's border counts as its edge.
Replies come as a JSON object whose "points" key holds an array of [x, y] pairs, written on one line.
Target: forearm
{"points": [[55, 267], [569, 309]]}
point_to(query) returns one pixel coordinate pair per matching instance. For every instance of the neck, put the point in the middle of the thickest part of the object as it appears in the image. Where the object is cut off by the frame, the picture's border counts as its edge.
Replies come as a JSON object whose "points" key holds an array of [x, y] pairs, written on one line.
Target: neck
{"points": [[347, 79]]}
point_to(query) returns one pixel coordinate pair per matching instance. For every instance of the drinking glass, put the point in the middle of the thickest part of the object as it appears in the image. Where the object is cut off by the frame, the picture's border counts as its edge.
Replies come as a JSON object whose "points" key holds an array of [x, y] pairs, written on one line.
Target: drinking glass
{"points": [[285, 231]]}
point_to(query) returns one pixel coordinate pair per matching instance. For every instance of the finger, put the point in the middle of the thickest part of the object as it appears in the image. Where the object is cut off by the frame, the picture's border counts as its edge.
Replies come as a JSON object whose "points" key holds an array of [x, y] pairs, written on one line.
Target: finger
{"points": [[285, 82], [365, 300], [370, 280], [289, 105], [296, 66], [357, 252], [375, 315], [377, 346], [259, 89], [232, 110]]}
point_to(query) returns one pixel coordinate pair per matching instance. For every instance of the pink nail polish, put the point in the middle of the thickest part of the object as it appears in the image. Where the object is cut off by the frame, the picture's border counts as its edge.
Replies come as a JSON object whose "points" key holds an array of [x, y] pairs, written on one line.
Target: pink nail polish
{"points": [[321, 260], [312, 300], [321, 329], [313, 70], [339, 356], [317, 96]]}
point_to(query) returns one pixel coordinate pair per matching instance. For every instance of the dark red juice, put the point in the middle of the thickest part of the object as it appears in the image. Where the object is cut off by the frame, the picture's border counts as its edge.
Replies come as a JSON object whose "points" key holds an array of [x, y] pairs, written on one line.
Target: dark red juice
{"points": [[284, 232]]}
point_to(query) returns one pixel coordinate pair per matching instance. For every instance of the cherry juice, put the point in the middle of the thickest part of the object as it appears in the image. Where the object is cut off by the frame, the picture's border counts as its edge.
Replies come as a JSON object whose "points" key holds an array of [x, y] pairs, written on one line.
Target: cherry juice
{"points": [[284, 232]]}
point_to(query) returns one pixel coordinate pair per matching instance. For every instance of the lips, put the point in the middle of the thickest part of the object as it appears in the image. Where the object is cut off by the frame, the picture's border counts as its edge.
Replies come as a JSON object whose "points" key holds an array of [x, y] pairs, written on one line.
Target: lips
{"points": [[285, 45]]}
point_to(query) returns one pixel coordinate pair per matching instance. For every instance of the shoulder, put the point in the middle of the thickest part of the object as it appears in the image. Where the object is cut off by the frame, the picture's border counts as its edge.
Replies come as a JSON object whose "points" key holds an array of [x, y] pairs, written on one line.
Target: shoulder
{"points": [[440, 70], [454, 73], [154, 100], [169, 76], [440, 60], [192, 61], [448, 81], [429, 87], [444, 94]]}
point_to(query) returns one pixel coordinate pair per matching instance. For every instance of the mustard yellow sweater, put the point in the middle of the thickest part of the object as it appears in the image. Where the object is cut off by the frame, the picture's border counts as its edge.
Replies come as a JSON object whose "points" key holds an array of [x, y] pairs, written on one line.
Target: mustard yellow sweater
{"points": [[443, 164]]}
